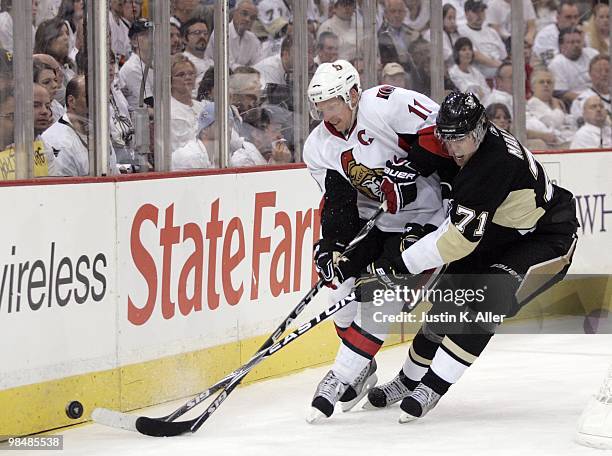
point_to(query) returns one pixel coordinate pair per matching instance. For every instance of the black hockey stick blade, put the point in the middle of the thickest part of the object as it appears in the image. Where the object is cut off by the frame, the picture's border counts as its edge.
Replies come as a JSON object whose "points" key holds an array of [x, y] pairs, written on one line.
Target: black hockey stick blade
{"points": [[154, 427]]}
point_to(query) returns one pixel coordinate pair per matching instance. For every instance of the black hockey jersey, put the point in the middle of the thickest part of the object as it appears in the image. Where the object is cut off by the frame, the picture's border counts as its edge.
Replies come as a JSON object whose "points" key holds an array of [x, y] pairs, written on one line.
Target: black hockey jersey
{"points": [[502, 192]]}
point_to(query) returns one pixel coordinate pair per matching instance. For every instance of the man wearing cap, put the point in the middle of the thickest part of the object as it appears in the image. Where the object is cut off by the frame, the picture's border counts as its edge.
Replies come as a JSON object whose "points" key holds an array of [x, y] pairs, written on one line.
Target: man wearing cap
{"points": [[244, 46], [195, 35], [245, 89], [394, 74], [345, 24], [197, 153], [489, 49], [394, 37], [132, 73]]}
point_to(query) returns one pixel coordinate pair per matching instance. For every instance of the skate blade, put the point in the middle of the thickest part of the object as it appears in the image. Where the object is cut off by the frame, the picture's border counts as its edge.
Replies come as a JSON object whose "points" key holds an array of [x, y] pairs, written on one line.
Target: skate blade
{"points": [[315, 416], [369, 384], [406, 418]]}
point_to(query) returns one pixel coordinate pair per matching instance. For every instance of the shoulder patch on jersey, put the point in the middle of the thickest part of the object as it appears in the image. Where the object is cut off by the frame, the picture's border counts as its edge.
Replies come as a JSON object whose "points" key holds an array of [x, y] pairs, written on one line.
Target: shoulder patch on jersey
{"points": [[385, 92], [429, 142], [366, 180], [55, 151]]}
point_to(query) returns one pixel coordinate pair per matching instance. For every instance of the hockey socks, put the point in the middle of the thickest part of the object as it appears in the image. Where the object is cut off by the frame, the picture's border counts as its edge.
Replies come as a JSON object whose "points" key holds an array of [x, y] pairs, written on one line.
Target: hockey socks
{"points": [[421, 353], [456, 353]]}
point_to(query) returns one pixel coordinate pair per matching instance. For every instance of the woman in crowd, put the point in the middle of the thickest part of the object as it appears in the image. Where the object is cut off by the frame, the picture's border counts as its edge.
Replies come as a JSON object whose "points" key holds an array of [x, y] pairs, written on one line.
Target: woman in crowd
{"points": [[53, 38], [71, 11], [499, 114], [463, 74], [184, 110], [449, 35], [45, 75], [597, 29]]}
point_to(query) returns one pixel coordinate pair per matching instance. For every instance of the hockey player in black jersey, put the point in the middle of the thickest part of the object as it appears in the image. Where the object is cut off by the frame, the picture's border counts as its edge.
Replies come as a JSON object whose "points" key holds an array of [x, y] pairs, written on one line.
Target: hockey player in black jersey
{"points": [[508, 228]]}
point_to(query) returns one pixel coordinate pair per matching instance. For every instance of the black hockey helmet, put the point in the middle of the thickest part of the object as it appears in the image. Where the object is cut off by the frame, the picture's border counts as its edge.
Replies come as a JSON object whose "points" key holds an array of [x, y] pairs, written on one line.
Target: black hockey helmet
{"points": [[460, 114]]}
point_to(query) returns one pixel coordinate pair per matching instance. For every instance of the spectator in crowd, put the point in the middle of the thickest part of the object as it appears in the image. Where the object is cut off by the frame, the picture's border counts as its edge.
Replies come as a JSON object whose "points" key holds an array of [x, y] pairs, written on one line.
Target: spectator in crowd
{"points": [[394, 37], [394, 74], [184, 110], [273, 36], [194, 33], [71, 11], [528, 54], [449, 34], [599, 70], [546, 13], [571, 66], [546, 43], [176, 42], [489, 49], [41, 102], [6, 23], [244, 46], [417, 17], [7, 117], [46, 76], [420, 68], [121, 126], [60, 94], [132, 72], [264, 141], [6, 69], [196, 153], [245, 89], [499, 114], [597, 29], [502, 91], [132, 10], [499, 17], [67, 138], [596, 131], [207, 84], [327, 48], [119, 28], [546, 117], [53, 38], [345, 25], [182, 10], [279, 68], [464, 75], [47, 9]]}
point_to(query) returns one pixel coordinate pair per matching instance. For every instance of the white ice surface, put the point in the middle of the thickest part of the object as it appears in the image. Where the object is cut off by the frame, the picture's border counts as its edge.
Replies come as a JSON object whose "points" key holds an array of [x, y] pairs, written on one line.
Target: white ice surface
{"points": [[522, 397]]}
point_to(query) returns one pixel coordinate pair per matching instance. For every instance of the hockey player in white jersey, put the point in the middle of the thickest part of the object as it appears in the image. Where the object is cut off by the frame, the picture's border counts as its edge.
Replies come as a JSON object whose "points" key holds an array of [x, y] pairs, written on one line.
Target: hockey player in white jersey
{"points": [[371, 146]]}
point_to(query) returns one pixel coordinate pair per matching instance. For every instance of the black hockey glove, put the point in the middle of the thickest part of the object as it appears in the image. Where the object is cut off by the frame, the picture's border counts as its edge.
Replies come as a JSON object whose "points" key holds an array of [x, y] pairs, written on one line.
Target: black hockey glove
{"points": [[399, 184], [329, 262]]}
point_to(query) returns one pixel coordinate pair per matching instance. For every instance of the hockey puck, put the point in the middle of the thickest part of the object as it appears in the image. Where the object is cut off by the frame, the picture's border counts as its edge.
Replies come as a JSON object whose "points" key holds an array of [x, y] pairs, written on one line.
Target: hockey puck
{"points": [[74, 410]]}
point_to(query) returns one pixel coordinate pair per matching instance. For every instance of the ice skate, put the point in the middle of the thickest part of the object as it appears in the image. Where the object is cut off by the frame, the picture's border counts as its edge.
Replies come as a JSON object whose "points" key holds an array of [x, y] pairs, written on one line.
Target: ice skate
{"points": [[359, 387], [418, 404], [329, 390], [388, 393]]}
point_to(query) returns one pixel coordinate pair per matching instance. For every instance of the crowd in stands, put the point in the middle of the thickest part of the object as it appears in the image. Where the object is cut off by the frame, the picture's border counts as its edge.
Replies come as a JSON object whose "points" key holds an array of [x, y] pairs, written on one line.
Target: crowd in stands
{"points": [[566, 65]]}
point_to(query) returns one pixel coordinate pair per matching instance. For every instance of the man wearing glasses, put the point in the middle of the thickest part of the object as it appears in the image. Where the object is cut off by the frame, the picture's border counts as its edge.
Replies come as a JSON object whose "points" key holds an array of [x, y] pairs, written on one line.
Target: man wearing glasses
{"points": [[195, 36]]}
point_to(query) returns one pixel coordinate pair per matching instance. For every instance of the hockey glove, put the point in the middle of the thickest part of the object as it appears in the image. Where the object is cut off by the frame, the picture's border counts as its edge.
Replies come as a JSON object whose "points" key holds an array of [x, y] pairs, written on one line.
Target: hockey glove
{"points": [[382, 274], [399, 184], [329, 261]]}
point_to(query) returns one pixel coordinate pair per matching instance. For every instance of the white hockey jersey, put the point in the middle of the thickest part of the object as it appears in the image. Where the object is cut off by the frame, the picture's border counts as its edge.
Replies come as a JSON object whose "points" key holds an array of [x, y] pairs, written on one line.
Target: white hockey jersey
{"points": [[387, 119]]}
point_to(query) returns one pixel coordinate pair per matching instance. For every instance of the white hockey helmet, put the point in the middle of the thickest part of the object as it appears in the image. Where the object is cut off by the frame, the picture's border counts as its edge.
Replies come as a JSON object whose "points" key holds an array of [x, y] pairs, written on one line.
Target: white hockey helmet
{"points": [[331, 80]]}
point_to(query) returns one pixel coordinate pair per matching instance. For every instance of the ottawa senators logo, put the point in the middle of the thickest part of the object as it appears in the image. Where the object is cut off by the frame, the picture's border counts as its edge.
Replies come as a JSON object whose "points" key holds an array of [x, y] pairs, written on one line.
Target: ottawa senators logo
{"points": [[367, 181]]}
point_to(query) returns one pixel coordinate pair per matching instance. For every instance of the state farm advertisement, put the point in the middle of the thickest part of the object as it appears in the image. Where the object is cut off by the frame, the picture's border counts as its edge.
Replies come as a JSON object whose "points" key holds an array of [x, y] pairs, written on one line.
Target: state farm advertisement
{"points": [[213, 259]]}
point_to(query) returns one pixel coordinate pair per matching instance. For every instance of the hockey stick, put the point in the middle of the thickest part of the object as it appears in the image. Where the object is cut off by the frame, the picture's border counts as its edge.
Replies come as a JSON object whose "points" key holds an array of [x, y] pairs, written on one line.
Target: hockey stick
{"points": [[255, 359], [159, 427]]}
